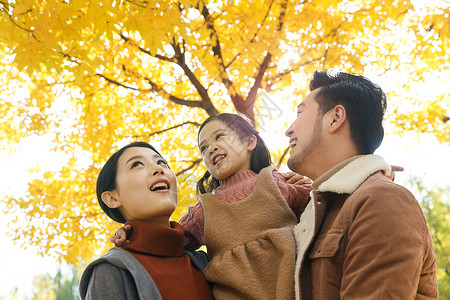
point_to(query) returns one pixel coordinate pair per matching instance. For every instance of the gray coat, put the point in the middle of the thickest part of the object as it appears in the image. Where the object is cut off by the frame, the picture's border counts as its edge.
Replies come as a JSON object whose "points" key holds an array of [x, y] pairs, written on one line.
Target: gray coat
{"points": [[118, 275]]}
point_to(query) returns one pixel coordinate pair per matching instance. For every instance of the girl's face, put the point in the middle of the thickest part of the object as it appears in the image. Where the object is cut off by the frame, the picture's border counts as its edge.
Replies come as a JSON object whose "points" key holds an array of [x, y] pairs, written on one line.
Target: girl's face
{"points": [[225, 154], [146, 188]]}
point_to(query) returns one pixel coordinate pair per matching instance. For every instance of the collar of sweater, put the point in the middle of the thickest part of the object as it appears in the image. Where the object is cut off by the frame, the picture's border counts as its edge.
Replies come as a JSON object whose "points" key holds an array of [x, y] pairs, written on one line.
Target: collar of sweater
{"points": [[156, 240], [347, 176], [238, 178]]}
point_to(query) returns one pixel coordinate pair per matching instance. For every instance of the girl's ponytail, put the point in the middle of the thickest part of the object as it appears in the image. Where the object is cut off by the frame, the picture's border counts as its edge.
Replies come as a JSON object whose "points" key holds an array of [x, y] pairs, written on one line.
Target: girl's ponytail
{"points": [[207, 184]]}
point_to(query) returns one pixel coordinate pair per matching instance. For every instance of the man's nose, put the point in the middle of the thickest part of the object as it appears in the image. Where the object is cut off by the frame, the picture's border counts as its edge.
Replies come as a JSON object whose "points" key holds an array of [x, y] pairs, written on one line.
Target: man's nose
{"points": [[289, 131]]}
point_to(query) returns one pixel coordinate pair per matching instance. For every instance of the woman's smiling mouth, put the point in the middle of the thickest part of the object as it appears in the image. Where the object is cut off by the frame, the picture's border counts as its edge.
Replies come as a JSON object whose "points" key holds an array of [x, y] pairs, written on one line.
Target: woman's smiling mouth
{"points": [[160, 185]]}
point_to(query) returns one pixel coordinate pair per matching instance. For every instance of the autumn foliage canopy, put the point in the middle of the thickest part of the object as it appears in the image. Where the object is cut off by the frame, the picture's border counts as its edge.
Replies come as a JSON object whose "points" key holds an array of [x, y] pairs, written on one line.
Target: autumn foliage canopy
{"points": [[95, 75]]}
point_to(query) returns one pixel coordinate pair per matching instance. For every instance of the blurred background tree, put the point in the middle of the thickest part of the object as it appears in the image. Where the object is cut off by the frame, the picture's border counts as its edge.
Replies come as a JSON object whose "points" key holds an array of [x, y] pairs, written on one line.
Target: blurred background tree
{"points": [[435, 202], [61, 286], [95, 75]]}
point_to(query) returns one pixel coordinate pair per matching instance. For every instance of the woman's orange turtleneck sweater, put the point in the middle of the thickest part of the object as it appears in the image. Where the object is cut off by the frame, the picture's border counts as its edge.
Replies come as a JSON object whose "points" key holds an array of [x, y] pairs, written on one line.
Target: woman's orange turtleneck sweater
{"points": [[159, 250]]}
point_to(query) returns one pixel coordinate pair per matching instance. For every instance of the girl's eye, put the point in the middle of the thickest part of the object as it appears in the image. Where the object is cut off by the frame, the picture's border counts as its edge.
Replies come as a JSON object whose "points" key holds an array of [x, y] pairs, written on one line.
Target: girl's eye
{"points": [[202, 149], [136, 163], [218, 136]]}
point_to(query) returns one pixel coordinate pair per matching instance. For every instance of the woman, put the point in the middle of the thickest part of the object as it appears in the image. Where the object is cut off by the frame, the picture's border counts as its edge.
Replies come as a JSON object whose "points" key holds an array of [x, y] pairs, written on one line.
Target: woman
{"points": [[137, 187]]}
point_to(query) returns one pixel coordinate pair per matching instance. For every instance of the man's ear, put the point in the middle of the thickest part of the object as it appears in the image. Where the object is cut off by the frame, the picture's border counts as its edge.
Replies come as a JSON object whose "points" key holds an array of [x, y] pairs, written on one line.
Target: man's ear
{"points": [[338, 116], [110, 199], [252, 141]]}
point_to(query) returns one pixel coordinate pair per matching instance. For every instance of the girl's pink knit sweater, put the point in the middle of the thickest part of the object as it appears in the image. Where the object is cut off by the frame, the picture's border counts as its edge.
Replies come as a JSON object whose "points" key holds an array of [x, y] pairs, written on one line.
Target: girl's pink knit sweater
{"points": [[237, 188]]}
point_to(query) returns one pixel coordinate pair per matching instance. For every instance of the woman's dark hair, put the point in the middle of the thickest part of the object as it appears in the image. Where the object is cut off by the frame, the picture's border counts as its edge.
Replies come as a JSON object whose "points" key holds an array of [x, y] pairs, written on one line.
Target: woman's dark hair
{"points": [[106, 180], [259, 159], [364, 102]]}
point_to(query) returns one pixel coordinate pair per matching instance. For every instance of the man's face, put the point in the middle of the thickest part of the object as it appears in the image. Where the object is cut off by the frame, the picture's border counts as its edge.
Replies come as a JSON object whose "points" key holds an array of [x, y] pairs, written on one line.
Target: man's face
{"points": [[305, 136]]}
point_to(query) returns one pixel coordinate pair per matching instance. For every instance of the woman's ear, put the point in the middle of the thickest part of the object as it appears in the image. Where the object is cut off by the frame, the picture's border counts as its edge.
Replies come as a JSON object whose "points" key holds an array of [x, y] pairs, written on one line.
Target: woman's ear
{"points": [[252, 141], [110, 199]]}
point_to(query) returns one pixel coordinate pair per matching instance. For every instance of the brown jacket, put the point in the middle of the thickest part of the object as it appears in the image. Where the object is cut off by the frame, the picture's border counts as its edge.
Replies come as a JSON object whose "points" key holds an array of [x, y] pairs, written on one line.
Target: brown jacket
{"points": [[363, 237]]}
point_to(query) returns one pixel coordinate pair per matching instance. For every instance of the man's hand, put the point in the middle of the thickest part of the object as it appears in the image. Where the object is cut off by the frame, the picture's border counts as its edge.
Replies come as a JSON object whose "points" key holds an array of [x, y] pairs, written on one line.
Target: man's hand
{"points": [[297, 179]]}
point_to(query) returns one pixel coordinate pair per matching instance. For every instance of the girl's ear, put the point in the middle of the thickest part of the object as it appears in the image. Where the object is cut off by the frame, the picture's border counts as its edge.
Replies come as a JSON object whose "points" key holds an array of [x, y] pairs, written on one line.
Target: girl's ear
{"points": [[110, 199], [252, 141]]}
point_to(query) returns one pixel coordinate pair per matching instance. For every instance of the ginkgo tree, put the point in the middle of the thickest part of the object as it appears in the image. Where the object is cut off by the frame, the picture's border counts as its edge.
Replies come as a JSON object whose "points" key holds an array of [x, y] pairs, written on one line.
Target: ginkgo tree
{"points": [[97, 74]]}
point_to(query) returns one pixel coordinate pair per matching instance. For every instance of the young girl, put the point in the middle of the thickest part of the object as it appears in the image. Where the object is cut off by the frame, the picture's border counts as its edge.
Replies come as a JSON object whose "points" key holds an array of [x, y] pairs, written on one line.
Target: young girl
{"points": [[244, 214]]}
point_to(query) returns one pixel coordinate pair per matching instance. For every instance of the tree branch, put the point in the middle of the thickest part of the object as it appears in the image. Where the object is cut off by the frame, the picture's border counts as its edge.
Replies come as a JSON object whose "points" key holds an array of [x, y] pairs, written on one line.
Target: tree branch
{"points": [[248, 105], [158, 56], [194, 163], [175, 99], [287, 72], [17, 25], [217, 53], [253, 39], [209, 20], [166, 129], [179, 59], [158, 89], [117, 83], [282, 157], [206, 103], [249, 102], [333, 35]]}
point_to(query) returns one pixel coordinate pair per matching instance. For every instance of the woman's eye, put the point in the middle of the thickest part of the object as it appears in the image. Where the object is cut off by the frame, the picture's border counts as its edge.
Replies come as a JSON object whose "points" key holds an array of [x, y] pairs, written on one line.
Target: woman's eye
{"points": [[136, 163], [162, 162]]}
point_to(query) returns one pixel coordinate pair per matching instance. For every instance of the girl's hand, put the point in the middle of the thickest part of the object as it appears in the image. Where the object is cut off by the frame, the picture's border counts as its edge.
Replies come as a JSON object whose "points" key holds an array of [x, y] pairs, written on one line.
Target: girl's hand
{"points": [[120, 236], [395, 169], [297, 179]]}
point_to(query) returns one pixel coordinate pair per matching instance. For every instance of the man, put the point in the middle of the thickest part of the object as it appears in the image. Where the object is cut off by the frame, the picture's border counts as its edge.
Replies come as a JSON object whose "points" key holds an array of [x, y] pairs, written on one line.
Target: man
{"points": [[361, 236]]}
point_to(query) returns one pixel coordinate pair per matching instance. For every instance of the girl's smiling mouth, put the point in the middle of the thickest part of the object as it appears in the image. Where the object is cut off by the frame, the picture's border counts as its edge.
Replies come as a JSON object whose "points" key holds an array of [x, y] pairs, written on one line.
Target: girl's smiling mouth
{"points": [[217, 159]]}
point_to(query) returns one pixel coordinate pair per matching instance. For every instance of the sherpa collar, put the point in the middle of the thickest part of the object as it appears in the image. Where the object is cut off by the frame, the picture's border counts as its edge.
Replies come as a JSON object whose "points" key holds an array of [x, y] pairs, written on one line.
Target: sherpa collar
{"points": [[348, 175]]}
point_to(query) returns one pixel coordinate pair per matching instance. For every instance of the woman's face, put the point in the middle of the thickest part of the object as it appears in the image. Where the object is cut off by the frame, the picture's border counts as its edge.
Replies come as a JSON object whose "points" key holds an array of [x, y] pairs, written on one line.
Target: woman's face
{"points": [[146, 188]]}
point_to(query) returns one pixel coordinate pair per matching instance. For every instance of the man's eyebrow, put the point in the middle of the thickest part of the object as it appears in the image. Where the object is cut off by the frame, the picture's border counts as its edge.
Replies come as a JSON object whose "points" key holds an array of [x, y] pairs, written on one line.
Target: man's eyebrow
{"points": [[301, 105]]}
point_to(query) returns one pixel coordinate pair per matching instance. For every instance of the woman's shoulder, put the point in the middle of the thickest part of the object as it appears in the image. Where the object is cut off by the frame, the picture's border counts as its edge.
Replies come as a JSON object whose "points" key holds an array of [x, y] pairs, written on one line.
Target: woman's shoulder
{"points": [[107, 261], [121, 268], [105, 271], [96, 282], [108, 281], [198, 258]]}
